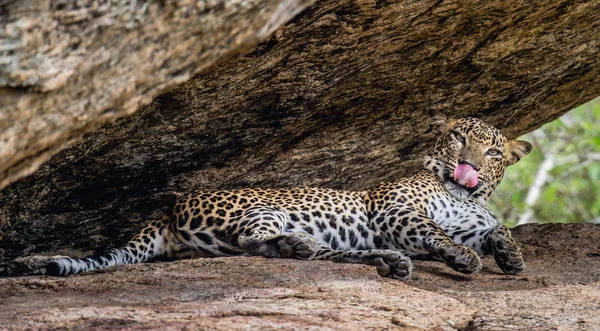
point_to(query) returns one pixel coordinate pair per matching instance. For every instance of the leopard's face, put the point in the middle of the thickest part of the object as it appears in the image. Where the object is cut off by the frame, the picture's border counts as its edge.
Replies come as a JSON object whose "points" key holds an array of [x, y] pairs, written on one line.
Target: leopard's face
{"points": [[470, 158]]}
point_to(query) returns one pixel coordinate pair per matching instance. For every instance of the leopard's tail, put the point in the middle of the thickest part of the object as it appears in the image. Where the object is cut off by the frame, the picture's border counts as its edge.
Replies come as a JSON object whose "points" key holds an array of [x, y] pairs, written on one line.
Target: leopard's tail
{"points": [[150, 243]]}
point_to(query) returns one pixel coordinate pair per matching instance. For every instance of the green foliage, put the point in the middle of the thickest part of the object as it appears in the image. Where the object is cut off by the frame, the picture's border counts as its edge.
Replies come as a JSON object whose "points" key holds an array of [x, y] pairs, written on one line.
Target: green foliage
{"points": [[571, 191]]}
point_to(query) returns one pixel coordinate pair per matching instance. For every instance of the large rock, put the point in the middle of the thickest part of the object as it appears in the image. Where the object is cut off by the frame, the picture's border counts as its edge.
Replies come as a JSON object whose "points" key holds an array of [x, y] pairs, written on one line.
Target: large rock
{"points": [[338, 97], [66, 67]]}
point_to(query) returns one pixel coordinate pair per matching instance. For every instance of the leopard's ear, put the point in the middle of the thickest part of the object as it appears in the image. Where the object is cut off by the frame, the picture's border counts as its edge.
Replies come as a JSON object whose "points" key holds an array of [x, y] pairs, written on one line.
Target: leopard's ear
{"points": [[440, 123], [516, 150]]}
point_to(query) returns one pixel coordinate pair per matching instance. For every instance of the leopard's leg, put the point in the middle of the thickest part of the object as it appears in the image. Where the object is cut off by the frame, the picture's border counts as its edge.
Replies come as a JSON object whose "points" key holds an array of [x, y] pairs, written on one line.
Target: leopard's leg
{"points": [[301, 246], [477, 239], [418, 234], [262, 234], [505, 250], [494, 240], [389, 263]]}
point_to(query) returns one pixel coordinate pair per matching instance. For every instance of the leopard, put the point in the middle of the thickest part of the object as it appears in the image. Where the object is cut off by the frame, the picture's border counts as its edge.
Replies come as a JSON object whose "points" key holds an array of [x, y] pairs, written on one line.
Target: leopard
{"points": [[439, 213]]}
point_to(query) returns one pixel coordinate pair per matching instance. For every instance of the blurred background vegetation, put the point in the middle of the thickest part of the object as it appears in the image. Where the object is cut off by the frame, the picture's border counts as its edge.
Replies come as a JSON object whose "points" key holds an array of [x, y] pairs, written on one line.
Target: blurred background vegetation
{"points": [[559, 182]]}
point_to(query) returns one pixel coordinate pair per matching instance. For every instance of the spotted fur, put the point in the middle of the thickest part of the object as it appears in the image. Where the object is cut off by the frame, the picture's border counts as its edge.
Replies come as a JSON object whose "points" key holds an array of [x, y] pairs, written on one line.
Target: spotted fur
{"points": [[424, 215]]}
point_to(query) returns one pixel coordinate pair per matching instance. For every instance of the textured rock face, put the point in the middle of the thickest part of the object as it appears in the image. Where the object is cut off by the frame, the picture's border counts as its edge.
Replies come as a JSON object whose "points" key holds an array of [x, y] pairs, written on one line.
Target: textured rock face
{"points": [[560, 290], [338, 97], [230, 294], [66, 67]]}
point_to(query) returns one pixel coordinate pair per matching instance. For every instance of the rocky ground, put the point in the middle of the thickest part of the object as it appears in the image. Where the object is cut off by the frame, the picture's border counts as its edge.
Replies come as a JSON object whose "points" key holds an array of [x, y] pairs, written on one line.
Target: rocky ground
{"points": [[560, 290]]}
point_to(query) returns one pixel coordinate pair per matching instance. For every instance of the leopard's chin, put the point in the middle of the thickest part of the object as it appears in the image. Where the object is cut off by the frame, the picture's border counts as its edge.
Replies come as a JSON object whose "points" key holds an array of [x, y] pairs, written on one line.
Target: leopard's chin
{"points": [[457, 190]]}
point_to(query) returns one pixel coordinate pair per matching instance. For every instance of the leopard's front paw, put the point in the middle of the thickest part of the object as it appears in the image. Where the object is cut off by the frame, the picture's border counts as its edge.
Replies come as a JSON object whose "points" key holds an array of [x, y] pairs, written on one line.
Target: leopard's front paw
{"points": [[392, 264], [461, 258], [506, 251]]}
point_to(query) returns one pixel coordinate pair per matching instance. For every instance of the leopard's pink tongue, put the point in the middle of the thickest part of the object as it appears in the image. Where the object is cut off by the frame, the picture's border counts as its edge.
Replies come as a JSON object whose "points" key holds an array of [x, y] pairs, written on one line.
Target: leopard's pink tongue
{"points": [[465, 175]]}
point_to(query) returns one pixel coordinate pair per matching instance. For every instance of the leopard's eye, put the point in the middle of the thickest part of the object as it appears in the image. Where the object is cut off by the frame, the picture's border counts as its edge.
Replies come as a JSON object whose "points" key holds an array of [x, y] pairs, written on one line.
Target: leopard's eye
{"points": [[493, 152], [458, 137]]}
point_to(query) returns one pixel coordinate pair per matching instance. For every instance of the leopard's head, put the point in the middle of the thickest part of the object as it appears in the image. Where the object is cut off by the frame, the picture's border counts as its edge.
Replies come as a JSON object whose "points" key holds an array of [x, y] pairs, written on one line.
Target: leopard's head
{"points": [[470, 157]]}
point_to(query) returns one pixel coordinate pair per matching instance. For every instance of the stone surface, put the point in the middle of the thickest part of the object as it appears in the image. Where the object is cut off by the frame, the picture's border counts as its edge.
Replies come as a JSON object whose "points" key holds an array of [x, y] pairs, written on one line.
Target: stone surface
{"points": [[227, 293], [560, 290], [338, 97]]}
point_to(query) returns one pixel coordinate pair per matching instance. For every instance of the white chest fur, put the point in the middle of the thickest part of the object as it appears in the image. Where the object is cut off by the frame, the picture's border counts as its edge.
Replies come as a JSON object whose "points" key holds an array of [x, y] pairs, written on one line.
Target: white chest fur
{"points": [[453, 214]]}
